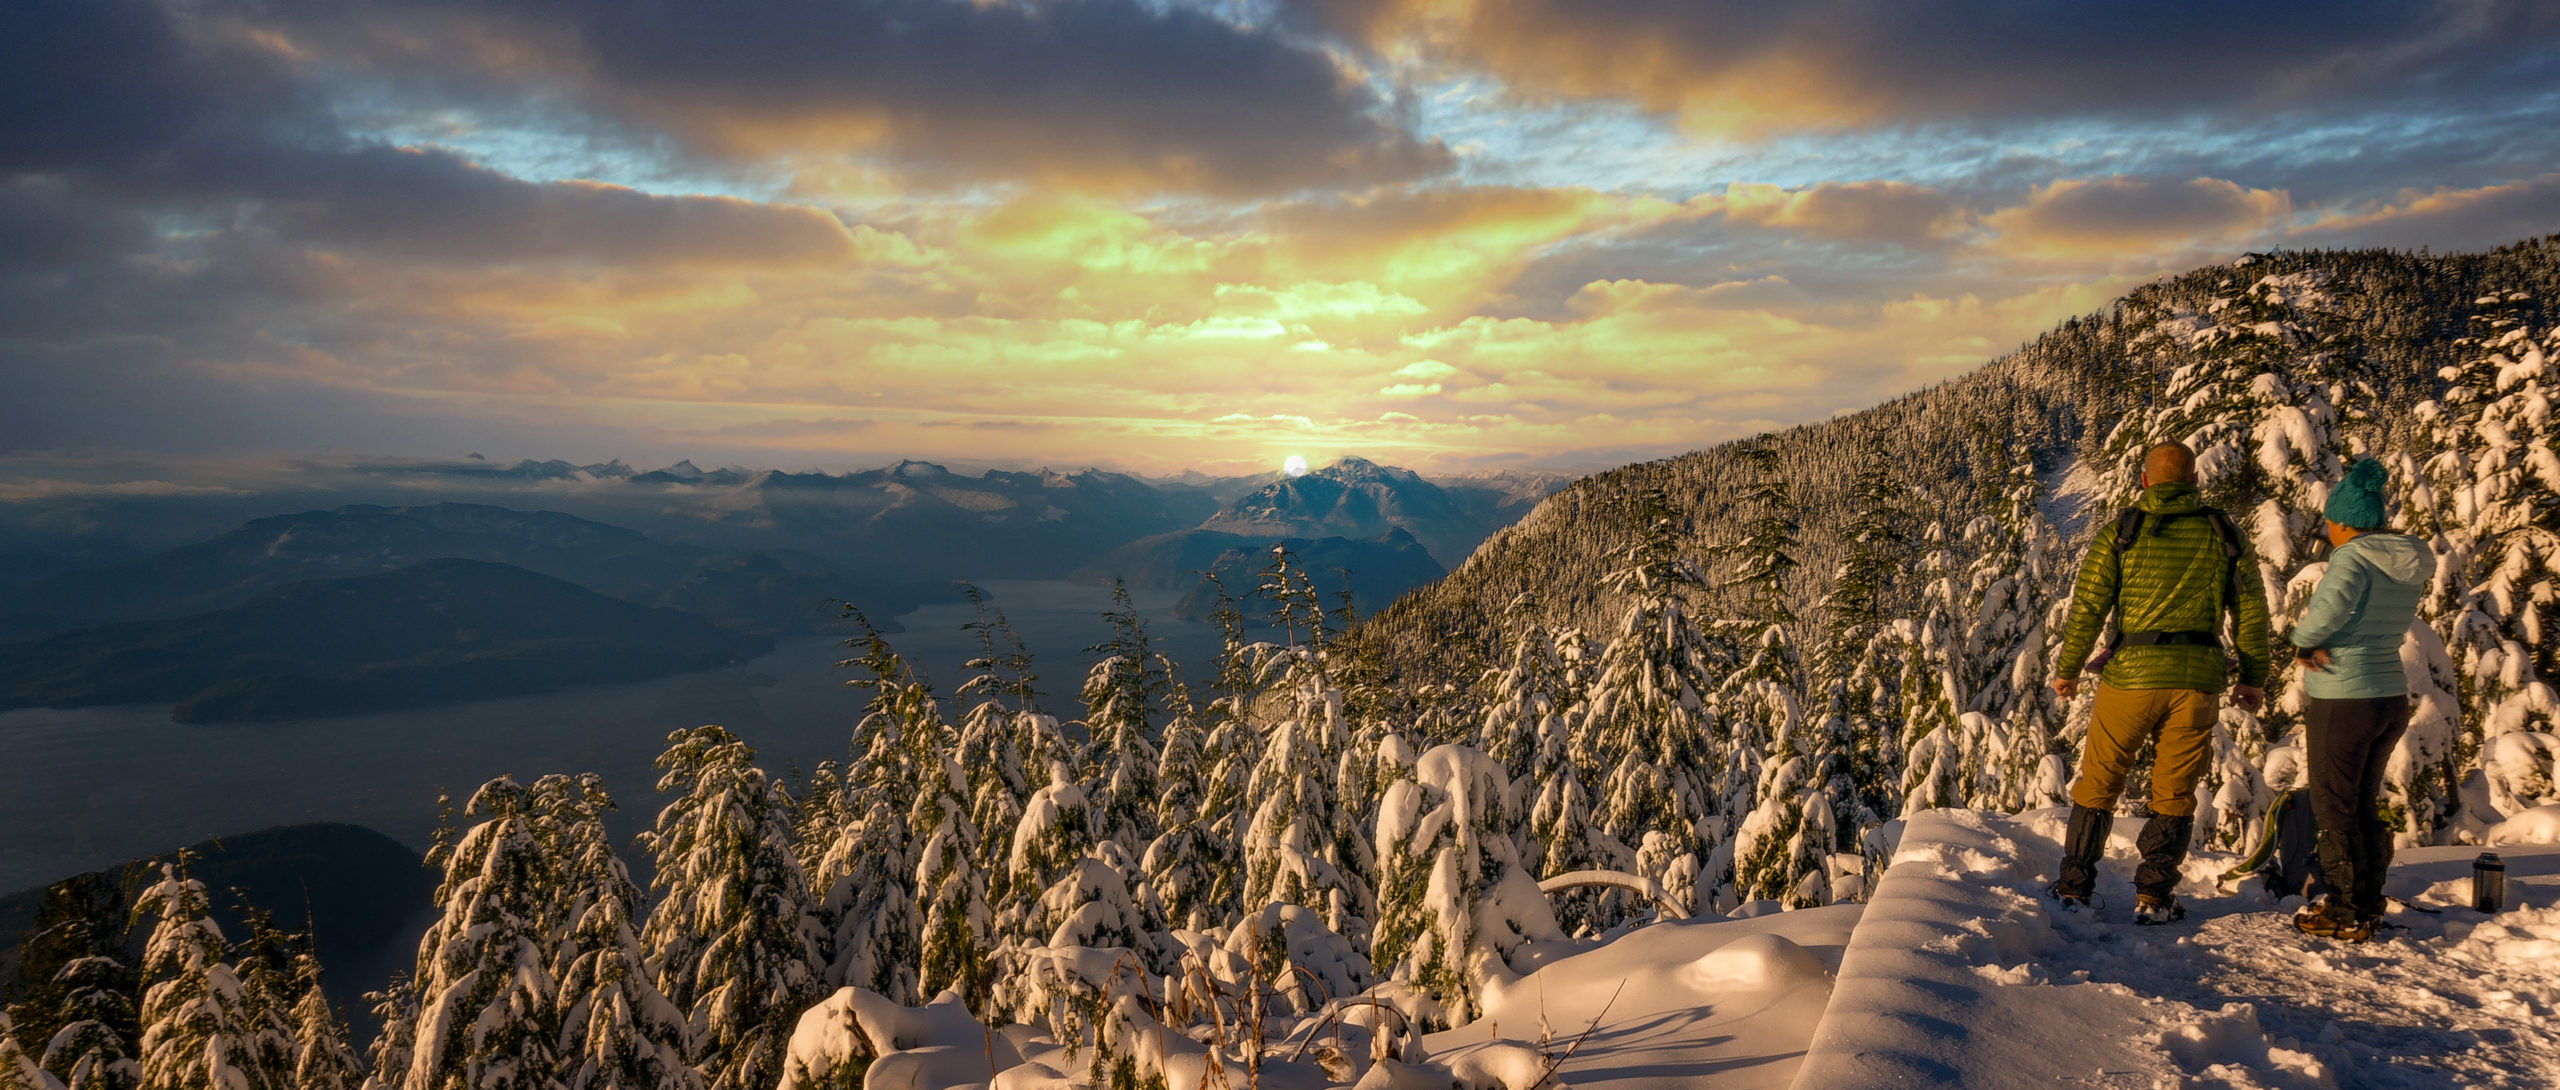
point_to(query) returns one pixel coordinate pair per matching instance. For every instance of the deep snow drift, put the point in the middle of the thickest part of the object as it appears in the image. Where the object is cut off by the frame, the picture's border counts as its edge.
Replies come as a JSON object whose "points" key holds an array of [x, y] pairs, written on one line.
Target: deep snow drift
{"points": [[1957, 972], [1961, 973]]}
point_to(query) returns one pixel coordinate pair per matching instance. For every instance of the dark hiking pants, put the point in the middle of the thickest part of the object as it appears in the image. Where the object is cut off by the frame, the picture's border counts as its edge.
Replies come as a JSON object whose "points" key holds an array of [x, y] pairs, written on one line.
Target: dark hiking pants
{"points": [[2350, 742]]}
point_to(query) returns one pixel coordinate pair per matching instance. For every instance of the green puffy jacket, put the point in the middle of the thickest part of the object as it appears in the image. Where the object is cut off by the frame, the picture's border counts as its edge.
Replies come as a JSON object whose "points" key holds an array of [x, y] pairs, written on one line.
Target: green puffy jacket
{"points": [[2174, 578]]}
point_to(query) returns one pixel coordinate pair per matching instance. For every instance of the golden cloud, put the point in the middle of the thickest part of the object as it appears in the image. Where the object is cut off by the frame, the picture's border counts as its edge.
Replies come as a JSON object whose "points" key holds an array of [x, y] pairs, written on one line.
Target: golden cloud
{"points": [[1872, 210], [2121, 216]]}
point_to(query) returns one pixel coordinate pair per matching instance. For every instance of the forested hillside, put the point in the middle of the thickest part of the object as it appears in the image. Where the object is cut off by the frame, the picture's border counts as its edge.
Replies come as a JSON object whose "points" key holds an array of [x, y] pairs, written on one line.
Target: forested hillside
{"points": [[1707, 685]]}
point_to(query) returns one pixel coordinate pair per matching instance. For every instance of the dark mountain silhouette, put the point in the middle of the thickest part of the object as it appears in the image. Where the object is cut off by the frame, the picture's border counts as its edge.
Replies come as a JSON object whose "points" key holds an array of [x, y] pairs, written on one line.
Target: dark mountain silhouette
{"points": [[1376, 570], [364, 896], [779, 591], [432, 633]]}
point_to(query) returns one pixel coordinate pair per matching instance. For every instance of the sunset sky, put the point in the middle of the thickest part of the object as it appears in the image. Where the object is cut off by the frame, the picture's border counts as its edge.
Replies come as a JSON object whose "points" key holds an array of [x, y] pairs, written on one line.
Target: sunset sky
{"points": [[1157, 234]]}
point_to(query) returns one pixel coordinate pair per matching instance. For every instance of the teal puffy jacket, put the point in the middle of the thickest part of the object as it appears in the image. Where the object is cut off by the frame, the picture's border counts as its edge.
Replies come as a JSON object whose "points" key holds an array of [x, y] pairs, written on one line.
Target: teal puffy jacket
{"points": [[2360, 613]]}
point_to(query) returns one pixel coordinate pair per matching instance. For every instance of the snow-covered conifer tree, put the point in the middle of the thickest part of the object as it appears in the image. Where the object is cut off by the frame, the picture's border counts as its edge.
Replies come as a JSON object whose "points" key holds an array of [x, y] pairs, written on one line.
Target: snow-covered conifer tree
{"points": [[75, 1000], [1288, 844], [1860, 723], [617, 1031], [487, 1002], [18, 1069], [94, 1048], [732, 940], [194, 1032], [1527, 692], [322, 1059], [1455, 906], [1190, 867], [1648, 726], [2011, 592], [1123, 696], [1056, 830], [998, 689], [1936, 731], [864, 888], [951, 901], [263, 962], [1782, 849]]}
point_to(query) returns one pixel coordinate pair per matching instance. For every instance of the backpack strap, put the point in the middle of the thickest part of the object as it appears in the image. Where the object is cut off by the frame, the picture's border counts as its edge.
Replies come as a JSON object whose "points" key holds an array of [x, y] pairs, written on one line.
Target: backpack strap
{"points": [[2129, 527]]}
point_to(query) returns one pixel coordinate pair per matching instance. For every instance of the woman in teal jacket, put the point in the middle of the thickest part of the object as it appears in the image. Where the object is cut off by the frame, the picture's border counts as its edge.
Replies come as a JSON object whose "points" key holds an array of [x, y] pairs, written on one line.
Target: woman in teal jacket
{"points": [[2357, 705]]}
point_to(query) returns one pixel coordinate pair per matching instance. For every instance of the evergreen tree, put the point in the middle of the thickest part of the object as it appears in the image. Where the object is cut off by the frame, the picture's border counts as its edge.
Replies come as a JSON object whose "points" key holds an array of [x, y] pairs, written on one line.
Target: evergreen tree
{"points": [[1782, 850], [1455, 907], [1936, 733], [2012, 591], [732, 940], [387, 1057], [75, 987], [865, 882], [194, 1034], [1055, 831], [263, 961], [2501, 475], [321, 1058], [990, 757], [1290, 846], [1851, 679], [18, 1070], [1123, 696], [617, 1032], [1190, 868], [94, 1048], [1648, 721], [952, 902], [487, 1001], [1528, 692]]}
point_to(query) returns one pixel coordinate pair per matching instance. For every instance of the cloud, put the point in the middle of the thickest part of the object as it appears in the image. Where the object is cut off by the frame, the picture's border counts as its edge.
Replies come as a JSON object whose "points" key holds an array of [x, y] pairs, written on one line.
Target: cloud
{"points": [[1876, 211], [1754, 69], [2445, 218], [1106, 94], [2136, 216]]}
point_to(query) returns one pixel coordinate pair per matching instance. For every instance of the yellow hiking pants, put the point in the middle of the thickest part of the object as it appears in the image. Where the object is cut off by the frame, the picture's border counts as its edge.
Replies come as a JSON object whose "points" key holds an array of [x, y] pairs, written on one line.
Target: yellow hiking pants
{"points": [[2122, 719]]}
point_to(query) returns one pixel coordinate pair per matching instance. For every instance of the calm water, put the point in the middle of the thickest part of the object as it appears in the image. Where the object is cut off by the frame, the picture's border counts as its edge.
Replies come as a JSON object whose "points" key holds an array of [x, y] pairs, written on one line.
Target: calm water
{"points": [[85, 788]]}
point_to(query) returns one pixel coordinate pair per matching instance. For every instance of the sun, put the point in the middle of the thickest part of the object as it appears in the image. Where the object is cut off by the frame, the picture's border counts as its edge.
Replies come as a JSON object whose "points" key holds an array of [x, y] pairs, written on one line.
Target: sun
{"points": [[1296, 466]]}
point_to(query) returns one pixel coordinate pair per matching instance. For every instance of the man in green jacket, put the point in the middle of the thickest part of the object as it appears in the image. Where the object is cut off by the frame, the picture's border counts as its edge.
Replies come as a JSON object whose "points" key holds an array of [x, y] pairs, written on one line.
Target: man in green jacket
{"points": [[2169, 588]]}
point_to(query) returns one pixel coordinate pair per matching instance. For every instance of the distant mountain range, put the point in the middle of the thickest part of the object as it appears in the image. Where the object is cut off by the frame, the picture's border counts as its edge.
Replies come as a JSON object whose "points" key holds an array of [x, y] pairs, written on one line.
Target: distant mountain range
{"points": [[774, 592], [709, 564], [431, 633], [918, 520], [1389, 528]]}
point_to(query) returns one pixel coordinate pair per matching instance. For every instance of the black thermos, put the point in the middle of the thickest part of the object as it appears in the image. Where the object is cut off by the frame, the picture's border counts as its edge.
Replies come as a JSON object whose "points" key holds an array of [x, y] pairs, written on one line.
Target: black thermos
{"points": [[2488, 882]]}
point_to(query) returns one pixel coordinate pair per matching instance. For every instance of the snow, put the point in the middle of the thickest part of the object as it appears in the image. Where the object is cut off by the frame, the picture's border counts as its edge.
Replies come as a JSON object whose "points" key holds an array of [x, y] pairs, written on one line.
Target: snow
{"points": [[1957, 972], [2540, 825], [1687, 1003], [1962, 973]]}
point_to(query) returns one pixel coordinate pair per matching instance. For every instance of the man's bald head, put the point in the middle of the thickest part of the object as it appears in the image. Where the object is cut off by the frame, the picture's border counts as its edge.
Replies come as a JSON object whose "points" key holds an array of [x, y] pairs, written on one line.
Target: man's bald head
{"points": [[2168, 462]]}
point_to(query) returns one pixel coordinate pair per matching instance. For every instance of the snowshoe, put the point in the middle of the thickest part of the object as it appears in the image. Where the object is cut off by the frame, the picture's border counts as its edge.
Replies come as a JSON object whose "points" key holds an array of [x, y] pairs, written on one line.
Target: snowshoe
{"points": [[2151, 911]]}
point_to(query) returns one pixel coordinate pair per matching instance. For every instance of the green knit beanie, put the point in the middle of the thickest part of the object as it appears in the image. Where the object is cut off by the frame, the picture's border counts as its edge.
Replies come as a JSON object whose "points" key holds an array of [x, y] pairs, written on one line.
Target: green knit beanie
{"points": [[2356, 503]]}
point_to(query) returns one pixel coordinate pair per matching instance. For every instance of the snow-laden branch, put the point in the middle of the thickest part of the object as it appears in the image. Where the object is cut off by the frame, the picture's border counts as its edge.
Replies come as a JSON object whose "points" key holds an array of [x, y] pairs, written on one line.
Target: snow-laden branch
{"points": [[1616, 879]]}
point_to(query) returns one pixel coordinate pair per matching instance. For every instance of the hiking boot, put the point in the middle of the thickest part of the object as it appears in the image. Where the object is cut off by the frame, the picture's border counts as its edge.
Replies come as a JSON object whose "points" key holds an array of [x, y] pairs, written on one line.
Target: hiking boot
{"points": [[2067, 902], [2152, 911], [2328, 920]]}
